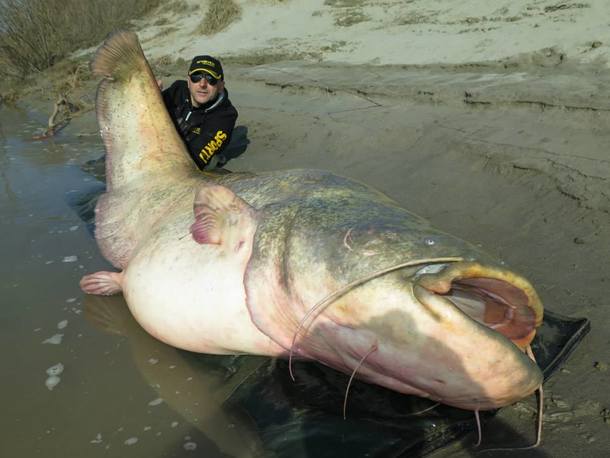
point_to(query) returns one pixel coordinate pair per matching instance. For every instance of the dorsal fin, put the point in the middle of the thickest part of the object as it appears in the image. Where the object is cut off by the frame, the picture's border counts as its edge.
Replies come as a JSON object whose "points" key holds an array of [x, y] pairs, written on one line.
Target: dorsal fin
{"points": [[222, 218], [138, 133]]}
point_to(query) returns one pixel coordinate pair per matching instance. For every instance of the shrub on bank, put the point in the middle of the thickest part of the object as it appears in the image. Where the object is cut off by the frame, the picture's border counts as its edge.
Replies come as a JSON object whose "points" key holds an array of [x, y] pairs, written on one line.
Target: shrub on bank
{"points": [[219, 15], [35, 34]]}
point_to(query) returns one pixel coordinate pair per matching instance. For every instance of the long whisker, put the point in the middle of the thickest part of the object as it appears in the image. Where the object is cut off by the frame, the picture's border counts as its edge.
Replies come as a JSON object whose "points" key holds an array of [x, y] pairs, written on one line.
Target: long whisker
{"points": [[319, 307], [530, 353], [427, 409], [540, 393], [371, 350], [479, 431]]}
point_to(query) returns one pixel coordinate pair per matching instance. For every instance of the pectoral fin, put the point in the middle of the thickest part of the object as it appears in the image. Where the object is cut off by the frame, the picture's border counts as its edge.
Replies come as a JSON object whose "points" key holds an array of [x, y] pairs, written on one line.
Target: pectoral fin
{"points": [[222, 218], [102, 283]]}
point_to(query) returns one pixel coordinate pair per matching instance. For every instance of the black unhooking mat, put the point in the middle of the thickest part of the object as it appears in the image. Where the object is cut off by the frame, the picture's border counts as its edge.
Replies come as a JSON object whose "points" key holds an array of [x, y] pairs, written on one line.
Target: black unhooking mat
{"points": [[304, 418]]}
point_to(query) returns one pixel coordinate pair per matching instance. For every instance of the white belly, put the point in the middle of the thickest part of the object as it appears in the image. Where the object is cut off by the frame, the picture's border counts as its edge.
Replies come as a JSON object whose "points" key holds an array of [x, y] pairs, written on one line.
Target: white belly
{"points": [[192, 296]]}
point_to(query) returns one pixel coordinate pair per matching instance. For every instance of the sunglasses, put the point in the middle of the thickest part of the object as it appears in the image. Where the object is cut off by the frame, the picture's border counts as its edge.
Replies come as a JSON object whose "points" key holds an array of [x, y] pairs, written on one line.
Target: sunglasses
{"points": [[196, 77]]}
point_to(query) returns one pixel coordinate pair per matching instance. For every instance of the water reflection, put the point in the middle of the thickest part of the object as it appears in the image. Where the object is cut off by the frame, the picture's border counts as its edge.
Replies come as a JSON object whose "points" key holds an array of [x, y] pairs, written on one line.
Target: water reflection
{"points": [[7, 187], [195, 386], [248, 406]]}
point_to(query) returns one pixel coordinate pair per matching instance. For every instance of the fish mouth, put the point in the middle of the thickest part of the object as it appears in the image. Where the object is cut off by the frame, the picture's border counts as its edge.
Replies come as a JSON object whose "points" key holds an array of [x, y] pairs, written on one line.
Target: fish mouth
{"points": [[497, 298]]}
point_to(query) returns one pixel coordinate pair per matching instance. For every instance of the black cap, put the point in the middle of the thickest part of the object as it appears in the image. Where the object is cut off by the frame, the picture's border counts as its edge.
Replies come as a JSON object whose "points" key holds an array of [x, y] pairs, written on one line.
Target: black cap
{"points": [[207, 64]]}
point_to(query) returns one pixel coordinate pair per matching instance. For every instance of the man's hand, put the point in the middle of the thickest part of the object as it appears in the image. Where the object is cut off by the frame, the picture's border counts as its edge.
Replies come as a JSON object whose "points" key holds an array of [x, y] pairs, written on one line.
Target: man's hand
{"points": [[160, 84]]}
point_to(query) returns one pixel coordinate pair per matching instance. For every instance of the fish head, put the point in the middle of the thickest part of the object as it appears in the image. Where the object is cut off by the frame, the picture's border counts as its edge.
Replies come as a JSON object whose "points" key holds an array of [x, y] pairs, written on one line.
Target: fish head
{"points": [[455, 333], [341, 275]]}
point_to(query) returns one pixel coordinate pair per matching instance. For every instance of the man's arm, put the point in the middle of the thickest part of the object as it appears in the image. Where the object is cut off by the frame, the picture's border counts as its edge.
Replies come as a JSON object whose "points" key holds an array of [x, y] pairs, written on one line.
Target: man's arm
{"points": [[213, 137], [169, 95]]}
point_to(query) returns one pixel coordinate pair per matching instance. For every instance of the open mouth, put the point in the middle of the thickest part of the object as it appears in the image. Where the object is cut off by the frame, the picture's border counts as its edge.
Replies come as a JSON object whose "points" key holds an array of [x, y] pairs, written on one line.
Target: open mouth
{"points": [[496, 298]]}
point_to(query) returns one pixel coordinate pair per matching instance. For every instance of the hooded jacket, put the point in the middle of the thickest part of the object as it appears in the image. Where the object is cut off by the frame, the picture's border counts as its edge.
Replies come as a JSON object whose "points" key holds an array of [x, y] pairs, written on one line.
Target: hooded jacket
{"points": [[206, 130]]}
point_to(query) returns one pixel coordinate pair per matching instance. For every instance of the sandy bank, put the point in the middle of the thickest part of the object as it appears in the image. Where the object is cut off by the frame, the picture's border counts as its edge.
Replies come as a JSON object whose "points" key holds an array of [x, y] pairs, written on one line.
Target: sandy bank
{"points": [[396, 32]]}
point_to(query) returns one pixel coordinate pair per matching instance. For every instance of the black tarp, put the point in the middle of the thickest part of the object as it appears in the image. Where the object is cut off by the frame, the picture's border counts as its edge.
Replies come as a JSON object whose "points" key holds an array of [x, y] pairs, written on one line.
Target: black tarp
{"points": [[304, 418]]}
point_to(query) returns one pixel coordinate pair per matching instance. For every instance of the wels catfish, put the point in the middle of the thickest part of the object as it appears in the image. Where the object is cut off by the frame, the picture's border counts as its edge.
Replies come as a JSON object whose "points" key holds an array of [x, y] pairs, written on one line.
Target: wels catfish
{"points": [[299, 263]]}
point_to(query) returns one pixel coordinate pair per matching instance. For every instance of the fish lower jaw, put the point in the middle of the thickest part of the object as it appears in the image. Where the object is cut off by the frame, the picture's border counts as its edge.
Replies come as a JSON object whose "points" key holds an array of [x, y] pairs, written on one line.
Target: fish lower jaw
{"points": [[496, 298], [482, 404], [480, 398], [478, 401]]}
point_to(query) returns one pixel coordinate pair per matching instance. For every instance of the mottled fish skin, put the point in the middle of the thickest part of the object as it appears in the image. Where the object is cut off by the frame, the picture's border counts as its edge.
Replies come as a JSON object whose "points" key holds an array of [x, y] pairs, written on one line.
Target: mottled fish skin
{"points": [[335, 230], [202, 279], [325, 232]]}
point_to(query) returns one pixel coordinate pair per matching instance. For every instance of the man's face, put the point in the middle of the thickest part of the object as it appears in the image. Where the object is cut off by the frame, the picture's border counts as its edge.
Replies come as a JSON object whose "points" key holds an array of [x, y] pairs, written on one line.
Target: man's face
{"points": [[202, 91]]}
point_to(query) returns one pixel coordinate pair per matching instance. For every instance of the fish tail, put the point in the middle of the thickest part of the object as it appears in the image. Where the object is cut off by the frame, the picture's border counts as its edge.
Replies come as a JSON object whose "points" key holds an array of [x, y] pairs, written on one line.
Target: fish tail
{"points": [[137, 131], [145, 156], [120, 56]]}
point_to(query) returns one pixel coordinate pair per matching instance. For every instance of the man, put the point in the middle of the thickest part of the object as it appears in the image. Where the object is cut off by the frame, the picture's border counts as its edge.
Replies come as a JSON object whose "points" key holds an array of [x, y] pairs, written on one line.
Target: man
{"points": [[202, 112]]}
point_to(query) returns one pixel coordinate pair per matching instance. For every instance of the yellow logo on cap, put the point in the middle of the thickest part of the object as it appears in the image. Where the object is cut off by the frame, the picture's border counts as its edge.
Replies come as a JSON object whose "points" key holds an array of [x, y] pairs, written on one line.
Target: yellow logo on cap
{"points": [[207, 70]]}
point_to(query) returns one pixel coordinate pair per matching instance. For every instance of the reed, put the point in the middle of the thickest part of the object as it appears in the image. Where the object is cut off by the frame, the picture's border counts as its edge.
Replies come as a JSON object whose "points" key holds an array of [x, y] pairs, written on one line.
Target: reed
{"points": [[35, 34], [219, 15]]}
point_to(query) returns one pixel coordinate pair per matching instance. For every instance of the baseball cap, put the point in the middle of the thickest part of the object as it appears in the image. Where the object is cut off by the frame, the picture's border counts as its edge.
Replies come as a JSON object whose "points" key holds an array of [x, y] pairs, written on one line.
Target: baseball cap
{"points": [[207, 64]]}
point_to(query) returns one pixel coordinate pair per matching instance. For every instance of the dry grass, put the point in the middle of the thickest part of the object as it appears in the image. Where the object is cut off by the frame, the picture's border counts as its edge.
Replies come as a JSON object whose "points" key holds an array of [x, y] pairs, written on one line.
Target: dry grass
{"points": [[350, 17], [35, 34], [344, 3], [9, 98], [179, 6], [161, 21], [220, 14]]}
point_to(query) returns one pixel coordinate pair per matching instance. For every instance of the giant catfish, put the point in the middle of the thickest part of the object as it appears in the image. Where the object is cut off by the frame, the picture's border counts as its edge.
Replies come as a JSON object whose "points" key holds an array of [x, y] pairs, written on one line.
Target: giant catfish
{"points": [[299, 262]]}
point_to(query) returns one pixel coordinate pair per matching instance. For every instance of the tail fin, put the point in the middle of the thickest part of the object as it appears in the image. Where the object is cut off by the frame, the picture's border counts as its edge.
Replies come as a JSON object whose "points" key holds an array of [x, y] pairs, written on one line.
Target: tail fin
{"points": [[137, 131], [119, 56]]}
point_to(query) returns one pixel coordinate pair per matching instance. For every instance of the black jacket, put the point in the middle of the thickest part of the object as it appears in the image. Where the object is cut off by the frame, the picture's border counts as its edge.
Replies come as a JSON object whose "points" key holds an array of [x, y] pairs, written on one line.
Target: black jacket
{"points": [[206, 130]]}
